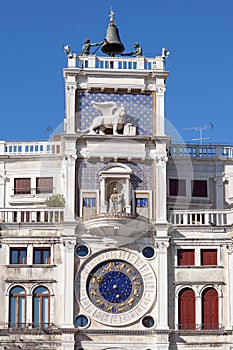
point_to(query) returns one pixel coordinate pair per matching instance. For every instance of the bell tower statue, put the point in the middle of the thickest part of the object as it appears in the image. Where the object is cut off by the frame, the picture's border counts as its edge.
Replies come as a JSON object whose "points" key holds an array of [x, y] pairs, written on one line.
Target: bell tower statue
{"points": [[115, 215]]}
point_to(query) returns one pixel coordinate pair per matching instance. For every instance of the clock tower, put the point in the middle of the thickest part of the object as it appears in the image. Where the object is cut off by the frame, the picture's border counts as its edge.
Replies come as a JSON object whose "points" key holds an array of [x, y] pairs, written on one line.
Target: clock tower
{"points": [[115, 224]]}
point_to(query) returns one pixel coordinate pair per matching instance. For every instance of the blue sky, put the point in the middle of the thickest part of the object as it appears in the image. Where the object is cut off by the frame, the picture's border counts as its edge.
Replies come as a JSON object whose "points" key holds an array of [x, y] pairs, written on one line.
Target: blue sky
{"points": [[198, 34]]}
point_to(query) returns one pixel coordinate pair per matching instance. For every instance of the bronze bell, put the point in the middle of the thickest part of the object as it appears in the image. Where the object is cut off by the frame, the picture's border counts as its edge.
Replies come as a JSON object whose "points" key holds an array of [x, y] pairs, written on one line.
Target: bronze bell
{"points": [[112, 44]]}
